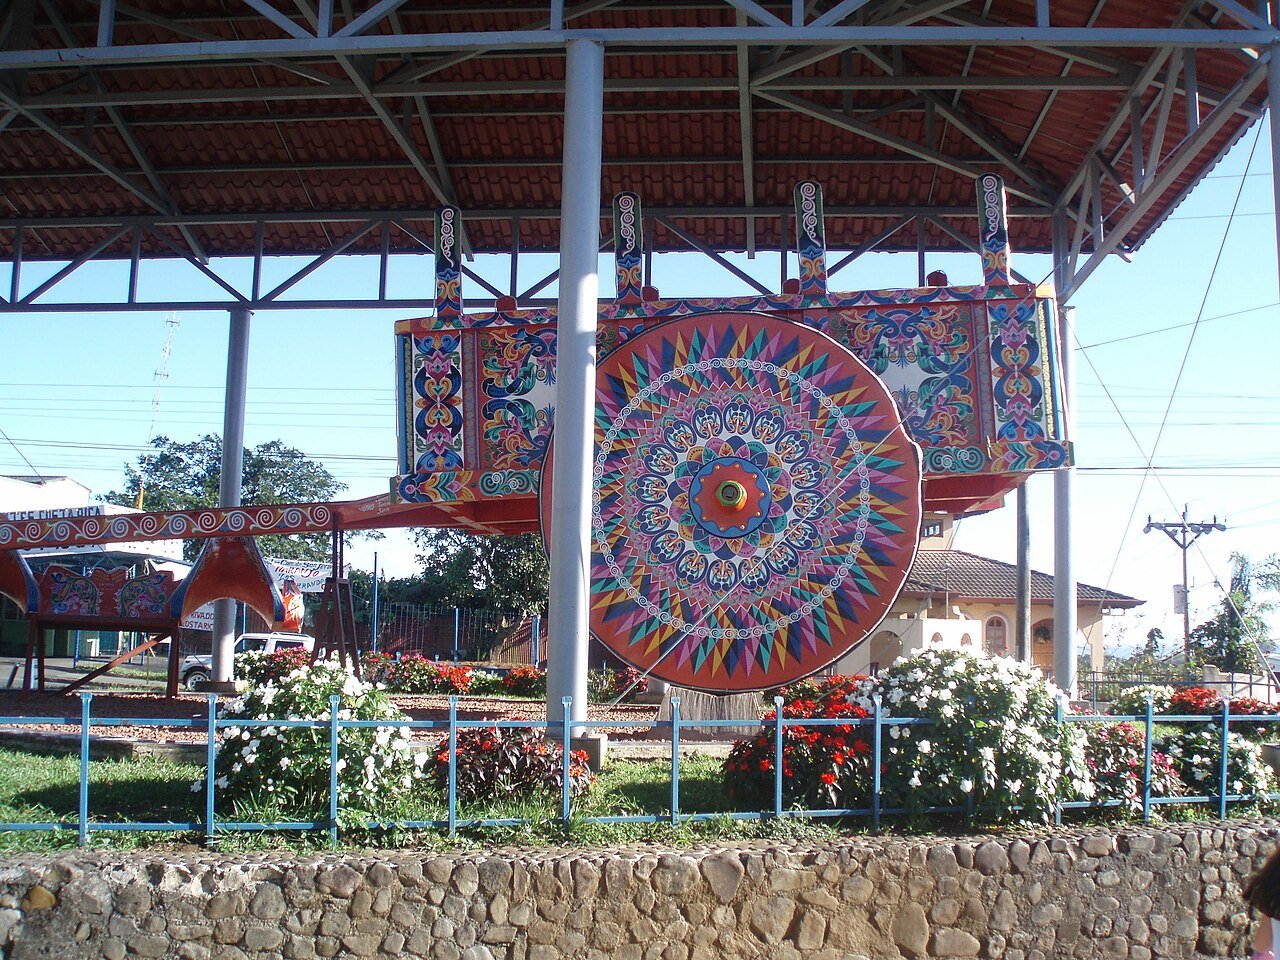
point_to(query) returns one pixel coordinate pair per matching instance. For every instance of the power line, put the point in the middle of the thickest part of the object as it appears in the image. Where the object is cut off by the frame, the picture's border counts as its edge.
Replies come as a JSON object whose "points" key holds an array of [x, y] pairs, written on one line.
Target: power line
{"points": [[21, 454]]}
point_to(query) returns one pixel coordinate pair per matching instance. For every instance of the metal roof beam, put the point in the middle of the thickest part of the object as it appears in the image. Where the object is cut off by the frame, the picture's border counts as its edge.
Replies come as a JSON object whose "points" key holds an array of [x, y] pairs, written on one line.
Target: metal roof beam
{"points": [[1241, 14], [398, 134], [1164, 177], [418, 72], [970, 244], [890, 140], [321, 260], [122, 128], [1043, 113], [643, 38], [370, 18], [714, 255], [969, 82], [994, 144], [746, 136], [73, 144], [756, 12], [473, 163], [73, 266], [279, 19]]}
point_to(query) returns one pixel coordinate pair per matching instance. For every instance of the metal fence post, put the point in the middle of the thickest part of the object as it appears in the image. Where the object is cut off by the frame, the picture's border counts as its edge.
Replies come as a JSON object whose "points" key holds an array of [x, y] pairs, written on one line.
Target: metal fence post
{"points": [[566, 743], [675, 760], [453, 766], [877, 750], [1061, 713], [83, 820], [210, 760], [777, 757], [1226, 753], [1146, 765], [334, 700], [970, 800]]}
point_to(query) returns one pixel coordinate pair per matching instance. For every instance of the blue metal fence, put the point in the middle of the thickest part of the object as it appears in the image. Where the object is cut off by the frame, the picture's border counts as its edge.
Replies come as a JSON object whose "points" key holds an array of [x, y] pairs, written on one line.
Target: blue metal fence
{"points": [[877, 723]]}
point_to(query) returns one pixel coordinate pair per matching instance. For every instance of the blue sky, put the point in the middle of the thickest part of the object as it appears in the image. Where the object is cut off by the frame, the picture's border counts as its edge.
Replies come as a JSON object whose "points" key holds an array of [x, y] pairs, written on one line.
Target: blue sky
{"points": [[76, 394]]}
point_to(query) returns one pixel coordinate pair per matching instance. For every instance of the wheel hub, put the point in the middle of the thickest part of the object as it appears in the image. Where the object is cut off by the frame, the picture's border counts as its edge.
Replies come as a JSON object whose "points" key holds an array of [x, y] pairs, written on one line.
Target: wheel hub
{"points": [[730, 497]]}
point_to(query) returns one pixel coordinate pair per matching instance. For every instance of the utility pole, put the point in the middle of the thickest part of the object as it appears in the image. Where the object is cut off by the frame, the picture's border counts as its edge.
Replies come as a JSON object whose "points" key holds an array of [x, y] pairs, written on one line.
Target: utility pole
{"points": [[1184, 533]]}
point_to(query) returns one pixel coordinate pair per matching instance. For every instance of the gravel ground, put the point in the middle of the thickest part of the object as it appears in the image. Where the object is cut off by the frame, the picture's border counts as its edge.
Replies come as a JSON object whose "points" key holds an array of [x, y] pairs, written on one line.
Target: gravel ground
{"points": [[418, 707]]}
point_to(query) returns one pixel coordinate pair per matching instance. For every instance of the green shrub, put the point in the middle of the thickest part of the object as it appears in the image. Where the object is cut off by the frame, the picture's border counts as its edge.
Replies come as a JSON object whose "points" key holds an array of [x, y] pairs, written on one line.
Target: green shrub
{"points": [[260, 669], [497, 763], [289, 766], [994, 748]]}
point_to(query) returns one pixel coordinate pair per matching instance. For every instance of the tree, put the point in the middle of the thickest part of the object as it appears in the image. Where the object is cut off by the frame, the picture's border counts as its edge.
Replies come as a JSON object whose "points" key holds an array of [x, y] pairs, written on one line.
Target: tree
{"points": [[185, 476], [1152, 647], [1232, 637], [503, 573]]}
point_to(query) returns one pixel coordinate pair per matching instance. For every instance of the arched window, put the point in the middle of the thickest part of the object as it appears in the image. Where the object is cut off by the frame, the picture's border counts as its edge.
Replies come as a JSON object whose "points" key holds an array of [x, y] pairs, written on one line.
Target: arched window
{"points": [[966, 641], [996, 637]]}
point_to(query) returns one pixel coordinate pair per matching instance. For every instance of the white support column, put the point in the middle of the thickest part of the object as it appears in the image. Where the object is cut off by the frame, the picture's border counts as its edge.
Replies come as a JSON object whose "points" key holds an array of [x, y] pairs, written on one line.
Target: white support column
{"points": [[1273, 101], [224, 611], [1065, 601], [575, 382]]}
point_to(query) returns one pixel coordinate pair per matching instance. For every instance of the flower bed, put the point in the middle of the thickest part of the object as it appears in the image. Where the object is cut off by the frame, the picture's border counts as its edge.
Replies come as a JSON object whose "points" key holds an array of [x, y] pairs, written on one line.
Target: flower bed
{"points": [[289, 766], [416, 674], [1115, 755], [1133, 700], [823, 767], [259, 669], [991, 746], [995, 749], [525, 682], [496, 763], [1197, 756]]}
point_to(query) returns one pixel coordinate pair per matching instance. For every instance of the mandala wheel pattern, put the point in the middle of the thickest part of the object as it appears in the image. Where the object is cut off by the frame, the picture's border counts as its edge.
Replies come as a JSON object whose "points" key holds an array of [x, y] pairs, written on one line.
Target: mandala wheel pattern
{"points": [[756, 502]]}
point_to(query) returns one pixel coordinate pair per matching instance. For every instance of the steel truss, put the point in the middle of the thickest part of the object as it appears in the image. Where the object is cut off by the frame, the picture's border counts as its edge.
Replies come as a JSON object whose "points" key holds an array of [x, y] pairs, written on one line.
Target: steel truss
{"points": [[366, 53]]}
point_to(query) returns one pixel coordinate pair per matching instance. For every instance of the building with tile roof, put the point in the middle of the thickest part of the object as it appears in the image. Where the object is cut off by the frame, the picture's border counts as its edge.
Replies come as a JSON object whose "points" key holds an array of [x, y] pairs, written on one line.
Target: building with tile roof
{"points": [[955, 598]]}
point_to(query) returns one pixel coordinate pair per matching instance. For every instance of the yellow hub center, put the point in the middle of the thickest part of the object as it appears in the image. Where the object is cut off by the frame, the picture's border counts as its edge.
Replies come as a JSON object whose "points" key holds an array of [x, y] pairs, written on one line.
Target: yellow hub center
{"points": [[731, 494]]}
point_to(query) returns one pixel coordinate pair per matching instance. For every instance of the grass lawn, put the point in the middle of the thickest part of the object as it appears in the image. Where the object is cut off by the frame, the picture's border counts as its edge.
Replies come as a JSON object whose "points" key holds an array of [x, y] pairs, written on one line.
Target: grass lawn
{"points": [[45, 788]]}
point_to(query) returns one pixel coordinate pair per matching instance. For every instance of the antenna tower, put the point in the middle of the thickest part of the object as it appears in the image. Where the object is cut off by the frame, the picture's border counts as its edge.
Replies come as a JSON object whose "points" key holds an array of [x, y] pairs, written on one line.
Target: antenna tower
{"points": [[162, 374]]}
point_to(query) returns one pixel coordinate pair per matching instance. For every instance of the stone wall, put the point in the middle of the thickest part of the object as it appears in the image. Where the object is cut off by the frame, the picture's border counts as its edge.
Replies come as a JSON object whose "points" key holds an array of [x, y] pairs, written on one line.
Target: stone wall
{"points": [[1137, 893]]}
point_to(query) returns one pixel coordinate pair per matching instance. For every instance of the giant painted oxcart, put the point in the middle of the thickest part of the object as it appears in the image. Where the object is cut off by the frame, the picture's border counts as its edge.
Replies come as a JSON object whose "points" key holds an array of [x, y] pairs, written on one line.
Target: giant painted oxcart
{"points": [[762, 464]]}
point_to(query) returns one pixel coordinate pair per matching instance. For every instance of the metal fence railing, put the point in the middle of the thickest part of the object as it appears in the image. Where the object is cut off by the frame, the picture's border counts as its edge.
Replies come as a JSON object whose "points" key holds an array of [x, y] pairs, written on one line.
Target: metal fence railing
{"points": [[1100, 686], [876, 724], [449, 633]]}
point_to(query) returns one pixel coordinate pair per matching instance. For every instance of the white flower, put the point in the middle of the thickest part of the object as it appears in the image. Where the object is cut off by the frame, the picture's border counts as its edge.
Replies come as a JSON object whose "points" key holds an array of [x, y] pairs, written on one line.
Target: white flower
{"points": [[284, 763], [221, 783], [197, 786], [966, 786], [925, 746]]}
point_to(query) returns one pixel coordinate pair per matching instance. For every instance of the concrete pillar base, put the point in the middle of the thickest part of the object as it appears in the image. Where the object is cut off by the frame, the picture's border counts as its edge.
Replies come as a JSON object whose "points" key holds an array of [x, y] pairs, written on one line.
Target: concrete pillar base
{"points": [[595, 746], [218, 686]]}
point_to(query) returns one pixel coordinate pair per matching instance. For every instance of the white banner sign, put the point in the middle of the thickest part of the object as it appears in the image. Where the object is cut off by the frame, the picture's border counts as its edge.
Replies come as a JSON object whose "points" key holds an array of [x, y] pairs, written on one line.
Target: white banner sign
{"points": [[307, 575], [201, 619]]}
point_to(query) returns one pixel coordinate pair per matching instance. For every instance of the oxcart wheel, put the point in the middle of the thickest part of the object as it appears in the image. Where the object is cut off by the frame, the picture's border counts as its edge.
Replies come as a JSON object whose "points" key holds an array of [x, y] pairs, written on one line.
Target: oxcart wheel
{"points": [[756, 502]]}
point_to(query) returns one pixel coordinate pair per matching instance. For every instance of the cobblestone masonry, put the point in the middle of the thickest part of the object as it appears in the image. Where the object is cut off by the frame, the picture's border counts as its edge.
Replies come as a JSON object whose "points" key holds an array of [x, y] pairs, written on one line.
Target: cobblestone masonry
{"points": [[1136, 893]]}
